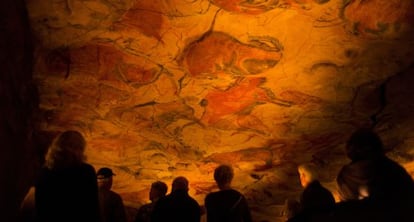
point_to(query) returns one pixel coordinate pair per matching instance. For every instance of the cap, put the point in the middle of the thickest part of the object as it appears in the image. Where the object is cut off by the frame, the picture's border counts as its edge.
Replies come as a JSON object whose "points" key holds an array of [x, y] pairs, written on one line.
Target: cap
{"points": [[104, 173]]}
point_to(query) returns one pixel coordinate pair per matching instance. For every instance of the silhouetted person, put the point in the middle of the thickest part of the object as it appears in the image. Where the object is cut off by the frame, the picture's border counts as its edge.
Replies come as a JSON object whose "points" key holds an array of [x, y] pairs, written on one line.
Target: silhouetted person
{"points": [[177, 206], [111, 205], [354, 179], [66, 189], [355, 205], [158, 190], [227, 204], [380, 183], [315, 199]]}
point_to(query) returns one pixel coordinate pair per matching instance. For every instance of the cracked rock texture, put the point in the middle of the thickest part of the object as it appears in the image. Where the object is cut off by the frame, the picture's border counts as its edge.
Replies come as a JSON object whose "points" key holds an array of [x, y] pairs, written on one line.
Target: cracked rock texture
{"points": [[166, 88]]}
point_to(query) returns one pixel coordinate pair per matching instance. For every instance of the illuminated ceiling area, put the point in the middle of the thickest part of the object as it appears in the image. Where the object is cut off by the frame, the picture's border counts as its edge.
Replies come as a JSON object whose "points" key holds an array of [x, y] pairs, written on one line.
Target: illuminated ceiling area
{"points": [[166, 88]]}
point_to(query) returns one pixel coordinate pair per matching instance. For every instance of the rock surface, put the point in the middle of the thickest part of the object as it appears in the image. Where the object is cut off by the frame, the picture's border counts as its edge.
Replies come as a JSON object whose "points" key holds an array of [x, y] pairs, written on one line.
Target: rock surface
{"points": [[164, 88]]}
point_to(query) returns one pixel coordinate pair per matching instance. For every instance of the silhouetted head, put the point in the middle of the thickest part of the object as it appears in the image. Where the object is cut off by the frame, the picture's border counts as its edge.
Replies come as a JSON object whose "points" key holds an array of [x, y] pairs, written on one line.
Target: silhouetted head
{"points": [[355, 179], [307, 174], [364, 144], [104, 176], [66, 150], [223, 175], [158, 190], [179, 183]]}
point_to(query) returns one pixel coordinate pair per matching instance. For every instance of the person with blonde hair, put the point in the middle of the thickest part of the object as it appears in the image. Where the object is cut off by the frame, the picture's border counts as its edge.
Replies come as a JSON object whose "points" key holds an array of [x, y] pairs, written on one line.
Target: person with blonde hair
{"points": [[315, 199], [66, 189]]}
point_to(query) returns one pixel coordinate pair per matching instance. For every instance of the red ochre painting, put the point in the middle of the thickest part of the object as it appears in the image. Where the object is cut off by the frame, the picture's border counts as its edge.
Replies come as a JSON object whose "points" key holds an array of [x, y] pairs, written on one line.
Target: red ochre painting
{"points": [[257, 7], [219, 52], [378, 17], [166, 88], [104, 63], [144, 18], [238, 100], [216, 54]]}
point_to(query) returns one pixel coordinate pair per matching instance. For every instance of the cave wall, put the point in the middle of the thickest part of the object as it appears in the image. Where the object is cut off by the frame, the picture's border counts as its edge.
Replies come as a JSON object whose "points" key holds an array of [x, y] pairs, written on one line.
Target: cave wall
{"points": [[18, 102], [162, 88]]}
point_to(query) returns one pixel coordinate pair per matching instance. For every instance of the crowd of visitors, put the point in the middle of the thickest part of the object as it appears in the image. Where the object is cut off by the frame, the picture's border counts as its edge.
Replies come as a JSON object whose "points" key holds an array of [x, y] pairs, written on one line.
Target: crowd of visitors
{"points": [[371, 187]]}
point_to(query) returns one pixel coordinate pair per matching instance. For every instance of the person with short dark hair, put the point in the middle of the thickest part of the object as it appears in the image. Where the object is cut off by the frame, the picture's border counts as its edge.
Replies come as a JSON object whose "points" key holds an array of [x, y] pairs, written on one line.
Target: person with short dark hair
{"points": [[382, 185], [354, 179], [66, 189], [178, 205], [111, 205], [227, 204], [364, 144], [158, 190]]}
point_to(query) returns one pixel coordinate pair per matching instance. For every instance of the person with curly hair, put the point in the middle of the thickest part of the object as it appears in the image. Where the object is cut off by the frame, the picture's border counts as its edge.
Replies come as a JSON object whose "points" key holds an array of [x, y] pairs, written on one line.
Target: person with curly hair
{"points": [[66, 189]]}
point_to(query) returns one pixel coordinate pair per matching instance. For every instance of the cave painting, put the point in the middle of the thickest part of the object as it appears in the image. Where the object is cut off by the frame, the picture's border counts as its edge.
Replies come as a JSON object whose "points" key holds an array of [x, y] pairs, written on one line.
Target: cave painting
{"points": [[143, 17], [378, 17], [150, 17], [260, 6], [163, 88], [300, 99], [239, 100], [218, 52], [152, 115], [264, 157], [105, 63]]}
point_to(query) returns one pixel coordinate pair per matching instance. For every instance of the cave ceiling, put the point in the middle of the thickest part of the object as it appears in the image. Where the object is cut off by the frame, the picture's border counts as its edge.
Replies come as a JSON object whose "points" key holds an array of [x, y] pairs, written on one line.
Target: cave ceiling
{"points": [[164, 88]]}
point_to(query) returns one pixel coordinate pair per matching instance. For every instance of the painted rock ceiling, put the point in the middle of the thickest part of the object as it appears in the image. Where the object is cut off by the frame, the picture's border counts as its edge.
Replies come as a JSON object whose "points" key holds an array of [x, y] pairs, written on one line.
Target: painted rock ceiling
{"points": [[163, 88]]}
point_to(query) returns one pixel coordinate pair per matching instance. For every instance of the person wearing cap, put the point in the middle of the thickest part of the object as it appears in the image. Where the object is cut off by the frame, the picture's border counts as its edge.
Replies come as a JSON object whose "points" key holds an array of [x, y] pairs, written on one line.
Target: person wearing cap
{"points": [[111, 205]]}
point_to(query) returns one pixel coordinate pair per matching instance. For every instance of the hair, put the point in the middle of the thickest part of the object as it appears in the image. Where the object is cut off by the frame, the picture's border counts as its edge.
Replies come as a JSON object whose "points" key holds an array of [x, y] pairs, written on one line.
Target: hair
{"points": [[364, 144], [352, 177], [66, 150], [180, 183], [223, 174], [160, 187], [309, 170]]}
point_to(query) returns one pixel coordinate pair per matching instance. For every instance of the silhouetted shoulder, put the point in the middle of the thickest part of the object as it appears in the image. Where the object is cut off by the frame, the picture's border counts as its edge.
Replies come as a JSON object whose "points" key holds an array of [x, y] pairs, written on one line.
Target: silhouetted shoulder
{"points": [[230, 194]]}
